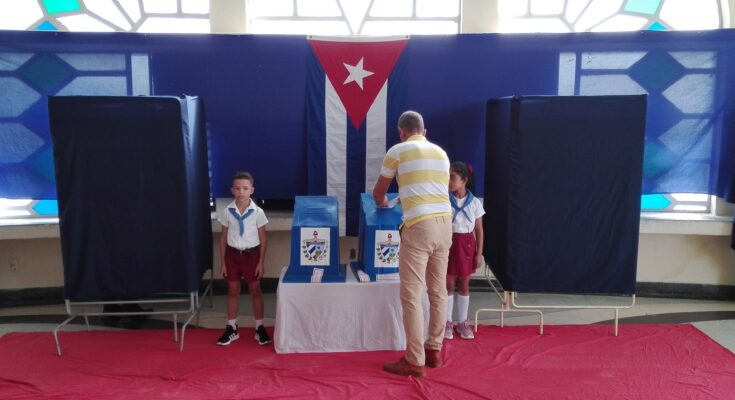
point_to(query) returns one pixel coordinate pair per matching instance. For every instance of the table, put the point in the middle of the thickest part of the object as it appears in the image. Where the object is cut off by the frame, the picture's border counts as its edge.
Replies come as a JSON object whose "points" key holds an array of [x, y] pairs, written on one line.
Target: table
{"points": [[339, 317]]}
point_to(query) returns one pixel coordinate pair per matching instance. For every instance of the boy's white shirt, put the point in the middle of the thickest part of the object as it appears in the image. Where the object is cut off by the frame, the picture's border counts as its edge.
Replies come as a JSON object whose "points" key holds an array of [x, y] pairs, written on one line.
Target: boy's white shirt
{"points": [[250, 238], [475, 210]]}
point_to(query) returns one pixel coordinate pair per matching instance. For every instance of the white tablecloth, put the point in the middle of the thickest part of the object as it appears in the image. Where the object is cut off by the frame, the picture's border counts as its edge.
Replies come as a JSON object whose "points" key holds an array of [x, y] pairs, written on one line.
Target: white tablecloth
{"points": [[337, 317]]}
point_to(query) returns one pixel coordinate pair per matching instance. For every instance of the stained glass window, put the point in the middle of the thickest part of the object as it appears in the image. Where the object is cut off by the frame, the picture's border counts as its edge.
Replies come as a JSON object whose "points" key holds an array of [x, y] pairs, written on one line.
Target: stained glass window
{"points": [[169, 16], [353, 17], [684, 81], [608, 15], [30, 78]]}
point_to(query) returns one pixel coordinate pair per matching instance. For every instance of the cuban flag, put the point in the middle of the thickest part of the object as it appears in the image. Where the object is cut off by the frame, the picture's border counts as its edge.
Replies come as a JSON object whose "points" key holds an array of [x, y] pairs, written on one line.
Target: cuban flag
{"points": [[356, 91]]}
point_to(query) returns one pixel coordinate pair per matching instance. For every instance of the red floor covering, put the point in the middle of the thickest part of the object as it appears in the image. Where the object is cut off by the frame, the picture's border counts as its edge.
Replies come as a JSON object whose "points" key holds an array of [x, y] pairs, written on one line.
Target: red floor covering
{"points": [[567, 362]]}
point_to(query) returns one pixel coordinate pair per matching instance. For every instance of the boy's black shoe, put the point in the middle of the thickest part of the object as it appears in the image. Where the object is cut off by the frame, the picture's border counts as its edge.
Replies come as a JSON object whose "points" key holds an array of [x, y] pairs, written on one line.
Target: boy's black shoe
{"points": [[229, 336], [262, 336]]}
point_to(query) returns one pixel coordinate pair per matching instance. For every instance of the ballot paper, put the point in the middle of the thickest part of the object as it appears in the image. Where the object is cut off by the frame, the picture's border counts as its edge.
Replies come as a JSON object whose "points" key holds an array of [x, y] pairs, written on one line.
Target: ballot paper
{"points": [[316, 275], [394, 202], [362, 276]]}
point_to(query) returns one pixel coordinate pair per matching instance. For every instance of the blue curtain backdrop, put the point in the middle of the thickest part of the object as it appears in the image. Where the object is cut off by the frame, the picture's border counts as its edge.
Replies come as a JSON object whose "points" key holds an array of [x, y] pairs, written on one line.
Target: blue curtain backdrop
{"points": [[254, 88]]}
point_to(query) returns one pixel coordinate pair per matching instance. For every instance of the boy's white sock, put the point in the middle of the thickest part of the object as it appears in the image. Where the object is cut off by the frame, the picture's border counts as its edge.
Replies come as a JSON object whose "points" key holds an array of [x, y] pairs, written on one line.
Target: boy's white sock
{"points": [[463, 304], [258, 322], [450, 306], [232, 323]]}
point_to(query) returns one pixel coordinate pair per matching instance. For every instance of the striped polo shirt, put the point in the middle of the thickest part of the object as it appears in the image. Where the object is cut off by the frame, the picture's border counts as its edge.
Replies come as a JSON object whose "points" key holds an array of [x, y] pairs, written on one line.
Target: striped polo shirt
{"points": [[422, 171]]}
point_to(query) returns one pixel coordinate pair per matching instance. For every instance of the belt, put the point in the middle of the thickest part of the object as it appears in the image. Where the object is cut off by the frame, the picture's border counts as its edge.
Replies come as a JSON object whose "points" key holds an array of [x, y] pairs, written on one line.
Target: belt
{"points": [[243, 251]]}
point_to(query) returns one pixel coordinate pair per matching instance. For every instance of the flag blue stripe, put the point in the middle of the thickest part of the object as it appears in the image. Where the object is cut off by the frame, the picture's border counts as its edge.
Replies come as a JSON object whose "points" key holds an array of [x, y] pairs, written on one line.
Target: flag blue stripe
{"points": [[316, 129], [355, 175]]}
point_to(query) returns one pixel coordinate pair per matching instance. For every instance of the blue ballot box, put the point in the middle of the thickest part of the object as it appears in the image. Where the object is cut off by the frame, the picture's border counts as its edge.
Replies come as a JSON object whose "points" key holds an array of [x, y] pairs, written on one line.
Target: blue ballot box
{"points": [[379, 238], [315, 240]]}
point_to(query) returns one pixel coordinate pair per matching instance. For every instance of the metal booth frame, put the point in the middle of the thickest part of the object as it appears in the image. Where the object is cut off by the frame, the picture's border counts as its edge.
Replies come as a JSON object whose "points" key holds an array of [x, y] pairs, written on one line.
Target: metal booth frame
{"points": [[188, 305], [509, 305]]}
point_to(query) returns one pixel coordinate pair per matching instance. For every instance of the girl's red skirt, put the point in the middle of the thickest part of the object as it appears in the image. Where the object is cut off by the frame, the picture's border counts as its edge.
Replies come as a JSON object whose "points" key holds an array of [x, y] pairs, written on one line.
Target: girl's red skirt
{"points": [[462, 255]]}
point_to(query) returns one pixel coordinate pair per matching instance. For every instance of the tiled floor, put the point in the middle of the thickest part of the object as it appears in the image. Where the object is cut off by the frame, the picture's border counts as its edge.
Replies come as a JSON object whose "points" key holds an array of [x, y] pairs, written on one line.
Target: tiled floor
{"points": [[715, 318]]}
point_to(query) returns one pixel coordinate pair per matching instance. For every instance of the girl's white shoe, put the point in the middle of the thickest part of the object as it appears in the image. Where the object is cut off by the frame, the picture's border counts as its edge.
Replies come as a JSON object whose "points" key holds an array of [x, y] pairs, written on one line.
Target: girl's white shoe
{"points": [[449, 330], [464, 330]]}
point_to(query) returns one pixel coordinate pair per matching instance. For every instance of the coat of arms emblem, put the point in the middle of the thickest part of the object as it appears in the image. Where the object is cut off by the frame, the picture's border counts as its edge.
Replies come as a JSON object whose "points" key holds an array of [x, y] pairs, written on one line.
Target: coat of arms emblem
{"points": [[387, 252], [315, 249]]}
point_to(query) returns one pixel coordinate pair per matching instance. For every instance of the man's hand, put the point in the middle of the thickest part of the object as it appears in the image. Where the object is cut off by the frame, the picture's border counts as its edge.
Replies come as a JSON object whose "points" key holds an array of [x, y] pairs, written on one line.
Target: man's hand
{"points": [[383, 203], [223, 270], [259, 270], [380, 190]]}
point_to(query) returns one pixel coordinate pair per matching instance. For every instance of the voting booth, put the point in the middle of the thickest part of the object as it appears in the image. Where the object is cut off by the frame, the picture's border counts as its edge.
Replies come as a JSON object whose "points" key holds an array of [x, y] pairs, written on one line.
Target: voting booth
{"points": [[133, 191], [563, 184], [563, 181], [315, 241], [132, 182], [379, 239]]}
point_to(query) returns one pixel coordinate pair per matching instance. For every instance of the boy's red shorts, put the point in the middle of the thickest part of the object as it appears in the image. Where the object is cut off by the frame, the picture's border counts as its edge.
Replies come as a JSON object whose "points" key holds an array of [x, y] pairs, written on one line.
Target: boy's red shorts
{"points": [[241, 264]]}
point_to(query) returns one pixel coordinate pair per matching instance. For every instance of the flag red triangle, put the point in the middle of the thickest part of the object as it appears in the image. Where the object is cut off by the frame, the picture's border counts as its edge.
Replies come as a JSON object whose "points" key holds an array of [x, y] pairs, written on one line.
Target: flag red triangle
{"points": [[371, 62]]}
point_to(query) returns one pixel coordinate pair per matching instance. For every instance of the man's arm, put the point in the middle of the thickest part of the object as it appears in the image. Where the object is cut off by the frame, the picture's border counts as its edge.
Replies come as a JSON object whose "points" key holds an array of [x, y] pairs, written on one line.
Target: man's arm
{"points": [[380, 189]]}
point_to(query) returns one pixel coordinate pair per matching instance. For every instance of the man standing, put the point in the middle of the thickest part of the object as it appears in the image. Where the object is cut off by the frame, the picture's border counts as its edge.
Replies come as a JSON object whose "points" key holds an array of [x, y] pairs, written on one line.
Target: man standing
{"points": [[422, 171]]}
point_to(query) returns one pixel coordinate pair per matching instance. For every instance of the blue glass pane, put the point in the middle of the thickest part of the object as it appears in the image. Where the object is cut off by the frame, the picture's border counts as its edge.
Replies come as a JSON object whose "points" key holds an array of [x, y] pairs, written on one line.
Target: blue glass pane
{"points": [[642, 6], [43, 164], [656, 71], [654, 202], [46, 73], [60, 6], [657, 160], [46, 26], [656, 26], [46, 207]]}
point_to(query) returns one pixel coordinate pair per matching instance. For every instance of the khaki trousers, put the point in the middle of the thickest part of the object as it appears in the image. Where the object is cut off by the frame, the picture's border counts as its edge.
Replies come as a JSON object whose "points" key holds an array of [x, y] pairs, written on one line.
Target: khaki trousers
{"points": [[423, 262]]}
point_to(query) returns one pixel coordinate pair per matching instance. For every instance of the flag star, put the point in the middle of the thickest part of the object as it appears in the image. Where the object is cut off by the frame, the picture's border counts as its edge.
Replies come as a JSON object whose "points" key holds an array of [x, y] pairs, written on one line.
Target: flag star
{"points": [[357, 73]]}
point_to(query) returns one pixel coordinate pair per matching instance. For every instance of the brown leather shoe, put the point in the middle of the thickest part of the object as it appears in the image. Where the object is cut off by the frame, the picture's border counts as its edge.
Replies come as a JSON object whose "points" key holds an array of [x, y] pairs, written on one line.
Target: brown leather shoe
{"points": [[433, 358], [403, 367]]}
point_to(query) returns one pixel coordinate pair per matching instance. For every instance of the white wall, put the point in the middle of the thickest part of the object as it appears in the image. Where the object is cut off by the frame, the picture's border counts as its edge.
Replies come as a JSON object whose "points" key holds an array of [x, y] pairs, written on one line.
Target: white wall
{"points": [[30, 256], [227, 16], [479, 16]]}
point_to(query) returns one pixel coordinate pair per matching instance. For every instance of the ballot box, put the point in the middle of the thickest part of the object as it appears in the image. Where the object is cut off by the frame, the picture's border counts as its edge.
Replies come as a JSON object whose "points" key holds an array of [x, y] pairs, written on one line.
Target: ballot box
{"points": [[379, 238], [315, 241]]}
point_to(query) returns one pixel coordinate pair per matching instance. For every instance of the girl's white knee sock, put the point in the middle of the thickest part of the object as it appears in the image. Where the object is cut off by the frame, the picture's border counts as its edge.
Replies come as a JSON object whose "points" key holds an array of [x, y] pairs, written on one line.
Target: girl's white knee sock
{"points": [[450, 306], [463, 305]]}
